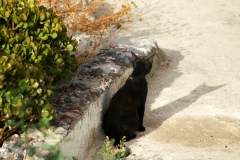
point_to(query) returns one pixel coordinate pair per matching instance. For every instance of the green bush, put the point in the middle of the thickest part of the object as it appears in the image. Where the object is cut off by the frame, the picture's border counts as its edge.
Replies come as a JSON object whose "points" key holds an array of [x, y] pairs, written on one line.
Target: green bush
{"points": [[34, 53]]}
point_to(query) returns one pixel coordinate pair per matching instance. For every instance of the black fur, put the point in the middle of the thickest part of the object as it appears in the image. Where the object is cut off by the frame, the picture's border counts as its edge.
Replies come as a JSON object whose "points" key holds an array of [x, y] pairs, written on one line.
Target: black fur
{"points": [[124, 116]]}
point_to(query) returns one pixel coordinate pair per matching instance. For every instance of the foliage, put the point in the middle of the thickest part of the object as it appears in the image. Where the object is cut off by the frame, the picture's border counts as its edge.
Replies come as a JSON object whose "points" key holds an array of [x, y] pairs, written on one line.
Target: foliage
{"points": [[34, 53], [79, 16], [109, 152]]}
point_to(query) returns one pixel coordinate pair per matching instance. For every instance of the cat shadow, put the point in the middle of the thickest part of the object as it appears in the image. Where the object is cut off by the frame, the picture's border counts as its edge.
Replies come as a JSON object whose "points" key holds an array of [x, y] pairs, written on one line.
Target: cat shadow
{"points": [[164, 78], [165, 112]]}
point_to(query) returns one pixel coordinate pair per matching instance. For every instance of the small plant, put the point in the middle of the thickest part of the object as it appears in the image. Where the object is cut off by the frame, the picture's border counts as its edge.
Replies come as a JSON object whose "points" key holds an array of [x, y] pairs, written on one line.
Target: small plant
{"points": [[109, 152]]}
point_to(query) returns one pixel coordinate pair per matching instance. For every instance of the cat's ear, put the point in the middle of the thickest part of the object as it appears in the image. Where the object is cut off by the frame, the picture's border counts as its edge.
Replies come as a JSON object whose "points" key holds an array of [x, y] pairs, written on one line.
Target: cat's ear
{"points": [[134, 59], [151, 58]]}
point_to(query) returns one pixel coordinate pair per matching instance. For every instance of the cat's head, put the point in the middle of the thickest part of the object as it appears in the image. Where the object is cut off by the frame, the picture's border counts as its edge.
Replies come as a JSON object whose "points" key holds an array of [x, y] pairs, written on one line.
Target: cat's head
{"points": [[142, 65]]}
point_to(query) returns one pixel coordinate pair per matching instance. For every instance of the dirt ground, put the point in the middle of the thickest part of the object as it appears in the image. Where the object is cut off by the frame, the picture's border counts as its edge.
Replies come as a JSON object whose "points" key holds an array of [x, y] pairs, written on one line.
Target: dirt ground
{"points": [[193, 105]]}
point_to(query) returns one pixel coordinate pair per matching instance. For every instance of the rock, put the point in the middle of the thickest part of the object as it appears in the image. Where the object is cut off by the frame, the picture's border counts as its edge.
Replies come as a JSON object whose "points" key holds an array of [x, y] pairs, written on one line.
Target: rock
{"points": [[68, 100], [61, 130], [19, 156], [68, 115], [96, 91], [68, 121], [73, 86], [14, 137], [77, 111], [42, 153], [65, 126], [4, 152], [83, 101], [77, 107], [142, 47], [96, 72], [55, 121], [124, 60], [81, 86]]}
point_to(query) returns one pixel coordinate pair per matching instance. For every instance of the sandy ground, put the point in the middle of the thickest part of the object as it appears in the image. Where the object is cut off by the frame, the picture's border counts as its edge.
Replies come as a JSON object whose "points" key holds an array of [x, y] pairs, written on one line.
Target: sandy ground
{"points": [[193, 105]]}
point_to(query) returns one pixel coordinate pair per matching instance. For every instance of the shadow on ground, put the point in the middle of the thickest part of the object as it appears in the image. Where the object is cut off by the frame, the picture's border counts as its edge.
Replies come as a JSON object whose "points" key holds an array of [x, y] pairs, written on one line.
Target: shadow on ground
{"points": [[163, 78]]}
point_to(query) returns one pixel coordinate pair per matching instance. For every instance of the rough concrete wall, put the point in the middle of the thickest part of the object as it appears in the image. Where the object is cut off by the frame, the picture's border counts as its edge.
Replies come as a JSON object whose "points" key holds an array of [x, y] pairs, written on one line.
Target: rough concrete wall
{"points": [[81, 138]]}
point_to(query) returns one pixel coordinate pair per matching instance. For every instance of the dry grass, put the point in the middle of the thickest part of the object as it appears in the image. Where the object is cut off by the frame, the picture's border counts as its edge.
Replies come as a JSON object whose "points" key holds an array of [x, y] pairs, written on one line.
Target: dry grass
{"points": [[78, 15]]}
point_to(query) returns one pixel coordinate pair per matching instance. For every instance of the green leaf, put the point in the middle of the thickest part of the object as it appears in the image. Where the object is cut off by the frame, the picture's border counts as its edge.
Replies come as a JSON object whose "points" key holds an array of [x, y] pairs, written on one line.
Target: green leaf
{"points": [[10, 122], [45, 37], [17, 104], [42, 16], [8, 96], [70, 47], [59, 61], [55, 20], [20, 24], [15, 19], [39, 90], [35, 85], [48, 14], [45, 113], [34, 93], [1, 100], [49, 92], [7, 51], [23, 85], [53, 35], [43, 123], [7, 14], [31, 2], [25, 25]]}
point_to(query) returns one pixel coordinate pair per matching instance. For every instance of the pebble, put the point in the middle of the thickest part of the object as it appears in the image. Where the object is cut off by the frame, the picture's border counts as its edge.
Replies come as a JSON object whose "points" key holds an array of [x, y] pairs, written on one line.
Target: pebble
{"points": [[55, 121], [96, 72], [126, 61], [96, 91], [4, 152], [83, 101], [65, 126], [68, 120], [81, 86], [19, 156], [17, 150], [78, 94], [13, 137], [77, 111], [42, 153], [68, 100], [87, 65], [61, 130], [77, 107], [69, 115]]}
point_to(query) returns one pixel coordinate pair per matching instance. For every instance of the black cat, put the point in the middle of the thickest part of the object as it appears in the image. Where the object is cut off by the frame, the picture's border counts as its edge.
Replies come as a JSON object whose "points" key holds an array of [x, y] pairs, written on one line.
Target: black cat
{"points": [[124, 116]]}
